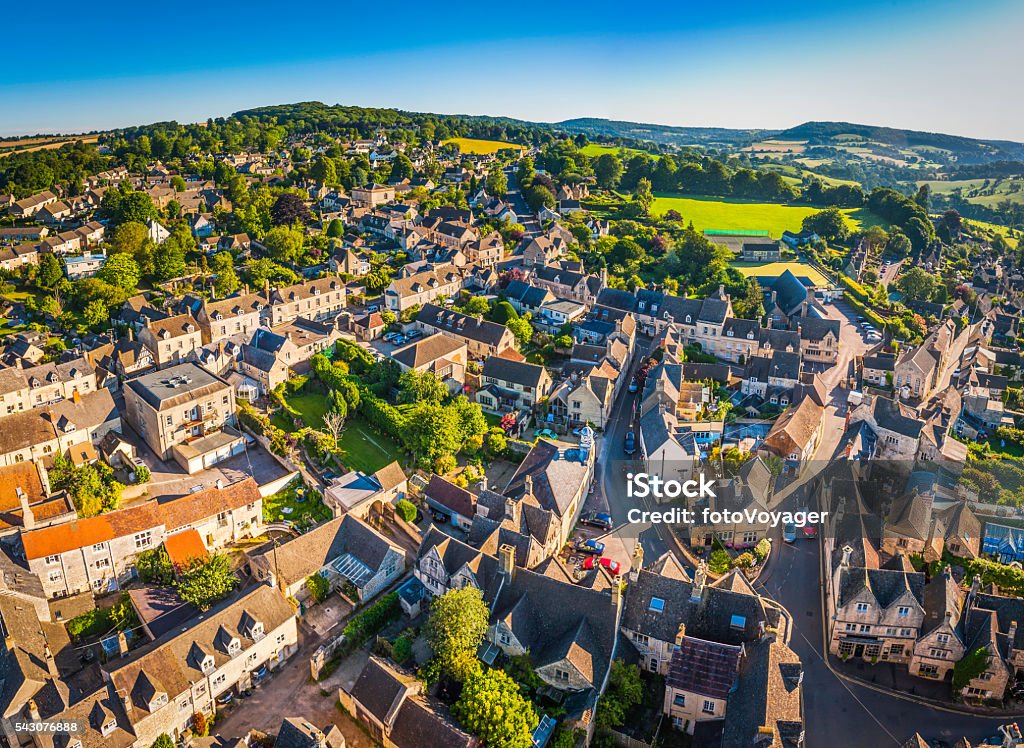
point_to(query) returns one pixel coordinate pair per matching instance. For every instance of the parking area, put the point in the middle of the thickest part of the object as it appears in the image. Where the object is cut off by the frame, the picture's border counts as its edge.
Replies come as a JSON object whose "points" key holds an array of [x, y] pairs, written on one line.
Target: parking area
{"points": [[168, 480]]}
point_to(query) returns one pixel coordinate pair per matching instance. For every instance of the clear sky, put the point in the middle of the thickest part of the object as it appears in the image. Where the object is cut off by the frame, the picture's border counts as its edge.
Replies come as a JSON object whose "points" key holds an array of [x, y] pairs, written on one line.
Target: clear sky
{"points": [[939, 65]]}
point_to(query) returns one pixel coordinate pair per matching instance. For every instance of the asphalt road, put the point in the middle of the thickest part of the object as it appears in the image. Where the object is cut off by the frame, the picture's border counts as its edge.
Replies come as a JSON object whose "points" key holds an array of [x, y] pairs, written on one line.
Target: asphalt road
{"points": [[838, 713], [515, 197]]}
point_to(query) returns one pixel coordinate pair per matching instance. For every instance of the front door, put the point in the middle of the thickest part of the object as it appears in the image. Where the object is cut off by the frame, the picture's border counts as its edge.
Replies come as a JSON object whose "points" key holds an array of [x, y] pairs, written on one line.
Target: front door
{"points": [[858, 651]]}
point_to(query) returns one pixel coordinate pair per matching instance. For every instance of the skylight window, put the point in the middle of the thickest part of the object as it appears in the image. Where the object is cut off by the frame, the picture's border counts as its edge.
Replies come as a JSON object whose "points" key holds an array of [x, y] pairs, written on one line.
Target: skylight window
{"points": [[657, 605]]}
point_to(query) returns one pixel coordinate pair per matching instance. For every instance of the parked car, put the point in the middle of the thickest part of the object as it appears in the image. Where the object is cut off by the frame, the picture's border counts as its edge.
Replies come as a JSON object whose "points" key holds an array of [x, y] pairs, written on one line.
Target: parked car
{"points": [[597, 519], [592, 562], [398, 340], [630, 445], [789, 533], [810, 531], [373, 308], [633, 386], [590, 546], [545, 433], [413, 334], [226, 698], [260, 673]]}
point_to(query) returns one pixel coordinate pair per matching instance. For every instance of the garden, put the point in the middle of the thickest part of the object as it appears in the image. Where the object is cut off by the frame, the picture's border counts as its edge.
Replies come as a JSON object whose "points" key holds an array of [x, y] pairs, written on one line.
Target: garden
{"points": [[298, 504]]}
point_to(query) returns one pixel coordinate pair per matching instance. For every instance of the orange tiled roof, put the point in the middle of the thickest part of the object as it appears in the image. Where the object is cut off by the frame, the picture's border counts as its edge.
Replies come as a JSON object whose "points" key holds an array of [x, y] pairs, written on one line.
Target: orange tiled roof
{"points": [[184, 546]]}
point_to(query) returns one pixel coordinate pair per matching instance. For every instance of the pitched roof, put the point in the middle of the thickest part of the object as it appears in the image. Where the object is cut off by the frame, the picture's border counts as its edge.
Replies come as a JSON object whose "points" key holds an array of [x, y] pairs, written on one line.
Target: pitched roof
{"points": [[427, 350], [517, 372], [450, 496], [489, 333], [705, 668]]}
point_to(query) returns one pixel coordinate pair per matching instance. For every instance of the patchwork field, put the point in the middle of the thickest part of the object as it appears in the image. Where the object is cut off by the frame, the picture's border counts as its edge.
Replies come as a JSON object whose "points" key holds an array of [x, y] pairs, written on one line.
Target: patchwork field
{"points": [[988, 192], [709, 213], [775, 269], [482, 147]]}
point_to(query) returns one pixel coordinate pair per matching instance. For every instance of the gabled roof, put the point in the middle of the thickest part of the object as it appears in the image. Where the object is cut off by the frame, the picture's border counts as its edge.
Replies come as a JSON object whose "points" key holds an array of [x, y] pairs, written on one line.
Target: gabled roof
{"points": [[516, 372], [705, 668]]}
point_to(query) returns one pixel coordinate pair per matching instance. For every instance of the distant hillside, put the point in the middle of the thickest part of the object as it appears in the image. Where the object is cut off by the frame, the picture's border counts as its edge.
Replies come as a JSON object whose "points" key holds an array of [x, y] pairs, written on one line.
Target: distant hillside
{"points": [[962, 149], [661, 134]]}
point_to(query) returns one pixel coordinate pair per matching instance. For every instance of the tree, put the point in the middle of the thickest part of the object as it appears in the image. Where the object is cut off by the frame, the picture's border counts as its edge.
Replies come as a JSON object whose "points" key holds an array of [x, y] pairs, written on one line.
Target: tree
{"points": [[284, 244], [401, 168], [522, 330], [476, 305], [92, 488], [178, 184], [50, 272], [203, 582], [169, 259], [497, 183], [829, 224], [163, 740], [318, 587], [135, 206], [335, 229], [406, 510], [95, 313], [898, 245], [121, 270], [625, 690], [643, 197], [457, 624], [492, 708], [130, 237], [608, 171], [226, 282], [917, 283], [538, 196], [334, 424], [420, 387], [324, 171], [288, 209], [155, 566]]}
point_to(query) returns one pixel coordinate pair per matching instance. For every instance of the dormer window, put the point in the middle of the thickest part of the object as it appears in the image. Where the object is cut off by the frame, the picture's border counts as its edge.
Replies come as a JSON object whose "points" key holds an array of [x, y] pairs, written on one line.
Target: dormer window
{"points": [[688, 319], [641, 305], [654, 308], [750, 335], [207, 664], [729, 334], [256, 632], [111, 724], [234, 647], [157, 701]]}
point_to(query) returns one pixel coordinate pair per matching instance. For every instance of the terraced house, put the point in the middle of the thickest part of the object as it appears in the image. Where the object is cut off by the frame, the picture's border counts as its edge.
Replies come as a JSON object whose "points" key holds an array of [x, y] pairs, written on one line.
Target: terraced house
{"points": [[163, 685], [98, 553], [22, 389], [321, 299], [421, 288], [171, 340]]}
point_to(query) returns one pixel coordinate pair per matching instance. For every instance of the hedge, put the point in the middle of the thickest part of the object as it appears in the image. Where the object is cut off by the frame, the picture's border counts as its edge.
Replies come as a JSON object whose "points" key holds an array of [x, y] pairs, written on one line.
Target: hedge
{"points": [[406, 510], [863, 309], [367, 623], [854, 288]]}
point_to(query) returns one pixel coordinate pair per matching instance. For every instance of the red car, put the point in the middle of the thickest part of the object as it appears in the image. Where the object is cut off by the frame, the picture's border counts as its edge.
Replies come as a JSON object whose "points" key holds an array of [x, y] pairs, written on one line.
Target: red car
{"points": [[590, 563]]}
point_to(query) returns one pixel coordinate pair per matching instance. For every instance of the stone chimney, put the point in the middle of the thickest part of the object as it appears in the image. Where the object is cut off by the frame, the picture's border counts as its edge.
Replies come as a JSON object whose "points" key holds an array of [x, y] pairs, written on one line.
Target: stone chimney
{"points": [[1011, 636], [845, 562], [145, 320], [507, 560], [33, 711], [28, 517], [126, 700], [512, 510], [266, 287], [616, 592], [637, 562], [51, 665], [122, 644], [680, 634], [527, 486], [131, 333], [700, 578], [220, 484], [76, 396]]}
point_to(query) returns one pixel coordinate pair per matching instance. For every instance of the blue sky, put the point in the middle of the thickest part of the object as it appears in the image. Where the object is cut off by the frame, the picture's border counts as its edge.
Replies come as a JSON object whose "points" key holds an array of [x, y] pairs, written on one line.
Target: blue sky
{"points": [[941, 65]]}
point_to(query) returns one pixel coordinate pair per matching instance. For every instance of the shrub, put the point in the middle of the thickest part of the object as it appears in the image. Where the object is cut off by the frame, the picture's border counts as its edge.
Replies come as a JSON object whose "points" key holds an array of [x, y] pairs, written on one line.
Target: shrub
{"points": [[719, 562], [142, 474], [401, 652], [445, 464], [762, 549], [90, 623], [200, 725], [406, 510], [744, 561], [318, 587]]}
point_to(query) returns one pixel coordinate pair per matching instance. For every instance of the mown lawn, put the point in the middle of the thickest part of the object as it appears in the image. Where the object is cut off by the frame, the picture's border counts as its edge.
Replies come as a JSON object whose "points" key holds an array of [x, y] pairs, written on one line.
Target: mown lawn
{"points": [[360, 448], [736, 215], [475, 145], [775, 269], [311, 406]]}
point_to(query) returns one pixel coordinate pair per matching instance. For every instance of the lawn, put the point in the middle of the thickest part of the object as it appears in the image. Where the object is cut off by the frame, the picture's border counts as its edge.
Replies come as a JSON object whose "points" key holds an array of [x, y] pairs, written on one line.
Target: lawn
{"points": [[365, 450], [296, 504], [775, 269], [593, 150], [483, 147], [711, 213], [311, 406]]}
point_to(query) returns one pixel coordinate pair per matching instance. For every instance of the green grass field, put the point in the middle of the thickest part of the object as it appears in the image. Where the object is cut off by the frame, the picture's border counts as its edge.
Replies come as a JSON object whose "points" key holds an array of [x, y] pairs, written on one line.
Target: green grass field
{"points": [[1012, 241], [365, 450], [593, 150], [711, 213], [482, 147], [311, 406], [775, 269]]}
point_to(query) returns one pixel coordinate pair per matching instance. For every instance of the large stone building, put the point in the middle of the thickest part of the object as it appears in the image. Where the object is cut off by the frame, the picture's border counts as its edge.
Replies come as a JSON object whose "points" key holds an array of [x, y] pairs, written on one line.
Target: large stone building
{"points": [[184, 413]]}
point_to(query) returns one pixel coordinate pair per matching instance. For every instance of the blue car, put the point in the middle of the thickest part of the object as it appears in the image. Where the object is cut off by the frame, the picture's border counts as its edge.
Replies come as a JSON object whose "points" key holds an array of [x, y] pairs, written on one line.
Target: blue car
{"points": [[597, 519], [630, 446], [789, 533], [590, 546]]}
